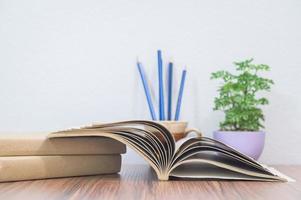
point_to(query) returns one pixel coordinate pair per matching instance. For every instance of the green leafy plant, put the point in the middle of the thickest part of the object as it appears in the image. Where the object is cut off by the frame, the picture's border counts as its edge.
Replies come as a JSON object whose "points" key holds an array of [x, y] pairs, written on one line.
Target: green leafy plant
{"points": [[238, 96]]}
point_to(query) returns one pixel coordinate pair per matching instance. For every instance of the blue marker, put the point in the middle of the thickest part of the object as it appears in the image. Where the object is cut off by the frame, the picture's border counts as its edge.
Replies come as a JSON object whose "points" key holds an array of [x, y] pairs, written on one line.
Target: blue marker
{"points": [[161, 93], [146, 90], [180, 95], [169, 108]]}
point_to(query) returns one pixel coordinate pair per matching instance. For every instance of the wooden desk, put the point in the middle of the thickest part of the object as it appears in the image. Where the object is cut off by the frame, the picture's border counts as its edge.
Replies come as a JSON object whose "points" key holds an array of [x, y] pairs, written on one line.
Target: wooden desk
{"points": [[139, 182]]}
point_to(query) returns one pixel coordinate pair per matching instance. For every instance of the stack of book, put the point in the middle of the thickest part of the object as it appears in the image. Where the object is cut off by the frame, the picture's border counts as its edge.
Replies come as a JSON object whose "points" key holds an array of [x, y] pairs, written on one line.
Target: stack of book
{"points": [[34, 156]]}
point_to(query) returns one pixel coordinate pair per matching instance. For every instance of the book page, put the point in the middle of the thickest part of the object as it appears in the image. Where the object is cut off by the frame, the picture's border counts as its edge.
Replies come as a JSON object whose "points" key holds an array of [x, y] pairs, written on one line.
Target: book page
{"points": [[226, 162], [194, 145], [207, 171], [150, 140]]}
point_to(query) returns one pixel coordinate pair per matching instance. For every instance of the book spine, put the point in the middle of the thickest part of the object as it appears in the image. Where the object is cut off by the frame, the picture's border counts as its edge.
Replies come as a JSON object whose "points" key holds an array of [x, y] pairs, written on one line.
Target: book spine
{"points": [[43, 167], [60, 146]]}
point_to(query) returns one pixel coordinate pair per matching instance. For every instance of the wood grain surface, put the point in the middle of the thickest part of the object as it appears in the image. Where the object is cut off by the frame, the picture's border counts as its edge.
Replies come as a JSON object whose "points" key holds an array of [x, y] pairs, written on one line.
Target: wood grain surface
{"points": [[139, 182]]}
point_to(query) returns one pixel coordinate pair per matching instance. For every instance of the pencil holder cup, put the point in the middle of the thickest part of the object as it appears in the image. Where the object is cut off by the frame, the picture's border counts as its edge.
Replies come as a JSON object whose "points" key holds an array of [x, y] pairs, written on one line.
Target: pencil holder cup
{"points": [[179, 129]]}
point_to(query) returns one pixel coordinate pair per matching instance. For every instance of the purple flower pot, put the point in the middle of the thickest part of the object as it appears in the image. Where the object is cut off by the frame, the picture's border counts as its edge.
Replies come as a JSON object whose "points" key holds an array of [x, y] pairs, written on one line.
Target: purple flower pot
{"points": [[248, 143]]}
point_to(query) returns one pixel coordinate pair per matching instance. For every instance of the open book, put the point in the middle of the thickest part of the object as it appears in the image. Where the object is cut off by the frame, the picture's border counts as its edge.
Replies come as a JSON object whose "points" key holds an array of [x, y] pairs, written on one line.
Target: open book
{"points": [[199, 157]]}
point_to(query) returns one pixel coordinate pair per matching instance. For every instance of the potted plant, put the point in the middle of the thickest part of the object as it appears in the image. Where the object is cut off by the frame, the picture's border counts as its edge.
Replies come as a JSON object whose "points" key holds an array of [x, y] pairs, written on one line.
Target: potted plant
{"points": [[240, 101]]}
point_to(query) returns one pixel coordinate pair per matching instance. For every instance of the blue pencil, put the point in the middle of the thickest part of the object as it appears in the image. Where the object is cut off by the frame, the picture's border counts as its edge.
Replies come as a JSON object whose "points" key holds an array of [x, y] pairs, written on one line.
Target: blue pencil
{"points": [[180, 95], [146, 90], [169, 108], [161, 93]]}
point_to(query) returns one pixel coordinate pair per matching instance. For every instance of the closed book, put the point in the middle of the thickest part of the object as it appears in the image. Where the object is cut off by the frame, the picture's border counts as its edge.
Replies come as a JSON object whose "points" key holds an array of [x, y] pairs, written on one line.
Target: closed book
{"points": [[18, 144], [40, 167]]}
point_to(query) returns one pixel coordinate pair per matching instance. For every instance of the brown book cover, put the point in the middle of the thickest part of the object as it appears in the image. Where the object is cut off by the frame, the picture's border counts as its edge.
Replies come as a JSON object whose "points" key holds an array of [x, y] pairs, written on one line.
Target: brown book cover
{"points": [[40, 167], [33, 144]]}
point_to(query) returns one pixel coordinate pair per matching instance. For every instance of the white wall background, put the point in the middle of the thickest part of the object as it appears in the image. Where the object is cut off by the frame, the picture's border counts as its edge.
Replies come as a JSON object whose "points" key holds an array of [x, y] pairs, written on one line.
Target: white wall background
{"points": [[66, 63]]}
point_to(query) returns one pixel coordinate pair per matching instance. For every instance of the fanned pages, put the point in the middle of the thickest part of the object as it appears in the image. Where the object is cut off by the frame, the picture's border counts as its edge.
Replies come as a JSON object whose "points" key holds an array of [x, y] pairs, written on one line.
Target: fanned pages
{"points": [[198, 157]]}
